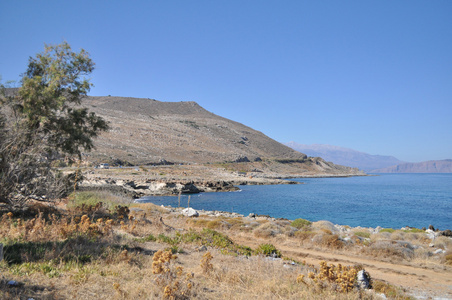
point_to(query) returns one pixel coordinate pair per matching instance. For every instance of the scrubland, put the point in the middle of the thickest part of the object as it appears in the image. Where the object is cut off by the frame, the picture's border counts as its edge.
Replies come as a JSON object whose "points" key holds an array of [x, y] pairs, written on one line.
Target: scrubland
{"points": [[98, 245]]}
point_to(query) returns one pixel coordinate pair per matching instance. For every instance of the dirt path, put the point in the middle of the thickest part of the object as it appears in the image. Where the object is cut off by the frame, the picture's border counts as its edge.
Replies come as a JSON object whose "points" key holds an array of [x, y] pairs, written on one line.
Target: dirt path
{"points": [[417, 280]]}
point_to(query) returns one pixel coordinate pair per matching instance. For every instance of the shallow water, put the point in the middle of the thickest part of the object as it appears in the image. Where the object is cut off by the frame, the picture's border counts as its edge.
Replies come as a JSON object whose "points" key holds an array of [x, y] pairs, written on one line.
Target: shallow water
{"points": [[387, 200]]}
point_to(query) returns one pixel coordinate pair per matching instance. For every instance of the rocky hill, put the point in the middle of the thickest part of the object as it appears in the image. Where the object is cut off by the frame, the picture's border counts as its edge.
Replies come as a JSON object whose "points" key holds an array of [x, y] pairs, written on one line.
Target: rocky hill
{"points": [[432, 166], [147, 131], [346, 156]]}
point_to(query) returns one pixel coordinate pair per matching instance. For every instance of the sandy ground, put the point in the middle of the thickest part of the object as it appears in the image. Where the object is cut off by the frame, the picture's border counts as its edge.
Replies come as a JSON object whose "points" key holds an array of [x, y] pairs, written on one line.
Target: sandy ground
{"points": [[419, 281]]}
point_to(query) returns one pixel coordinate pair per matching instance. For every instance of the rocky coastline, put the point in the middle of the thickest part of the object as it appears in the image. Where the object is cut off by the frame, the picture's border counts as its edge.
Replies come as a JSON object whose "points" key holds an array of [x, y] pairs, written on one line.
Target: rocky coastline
{"points": [[139, 188], [186, 179]]}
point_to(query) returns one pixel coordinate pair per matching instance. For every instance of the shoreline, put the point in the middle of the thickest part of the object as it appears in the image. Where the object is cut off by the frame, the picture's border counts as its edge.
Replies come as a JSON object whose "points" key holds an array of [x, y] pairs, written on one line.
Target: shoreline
{"points": [[173, 180], [340, 227]]}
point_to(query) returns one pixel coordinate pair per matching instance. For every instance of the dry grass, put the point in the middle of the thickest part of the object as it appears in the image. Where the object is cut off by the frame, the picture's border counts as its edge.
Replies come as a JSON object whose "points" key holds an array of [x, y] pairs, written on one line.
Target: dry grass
{"points": [[111, 254]]}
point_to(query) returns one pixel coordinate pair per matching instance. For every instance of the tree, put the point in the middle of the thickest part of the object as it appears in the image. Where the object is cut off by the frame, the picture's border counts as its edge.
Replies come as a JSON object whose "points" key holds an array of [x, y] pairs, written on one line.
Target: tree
{"points": [[44, 120]]}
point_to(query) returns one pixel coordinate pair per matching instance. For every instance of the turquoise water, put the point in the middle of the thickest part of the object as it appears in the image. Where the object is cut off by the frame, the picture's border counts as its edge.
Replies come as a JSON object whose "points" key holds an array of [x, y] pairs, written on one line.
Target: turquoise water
{"points": [[387, 200]]}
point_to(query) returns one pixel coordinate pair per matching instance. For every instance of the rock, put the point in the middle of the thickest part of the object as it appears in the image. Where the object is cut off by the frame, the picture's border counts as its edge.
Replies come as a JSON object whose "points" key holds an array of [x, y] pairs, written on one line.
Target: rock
{"points": [[252, 215], [431, 234], [190, 212], [201, 249], [363, 280], [447, 232], [439, 251], [13, 283], [242, 159]]}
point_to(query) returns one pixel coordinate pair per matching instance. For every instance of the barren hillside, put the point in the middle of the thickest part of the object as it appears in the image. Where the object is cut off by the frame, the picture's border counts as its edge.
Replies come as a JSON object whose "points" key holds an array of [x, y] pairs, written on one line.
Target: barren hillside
{"points": [[146, 131]]}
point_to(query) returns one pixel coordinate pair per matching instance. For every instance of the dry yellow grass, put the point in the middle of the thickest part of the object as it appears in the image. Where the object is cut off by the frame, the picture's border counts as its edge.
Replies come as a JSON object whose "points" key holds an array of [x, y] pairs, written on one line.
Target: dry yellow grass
{"points": [[112, 256]]}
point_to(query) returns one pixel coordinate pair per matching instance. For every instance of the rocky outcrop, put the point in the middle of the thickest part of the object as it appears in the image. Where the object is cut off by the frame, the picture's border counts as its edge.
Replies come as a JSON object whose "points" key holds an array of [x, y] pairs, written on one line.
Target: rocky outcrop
{"points": [[159, 188]]}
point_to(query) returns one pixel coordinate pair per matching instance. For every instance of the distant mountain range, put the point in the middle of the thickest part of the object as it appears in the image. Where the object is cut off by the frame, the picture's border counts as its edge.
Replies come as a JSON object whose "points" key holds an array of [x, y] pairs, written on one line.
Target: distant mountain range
{"points": [[432, 166], [346, 157], [371, 163]]}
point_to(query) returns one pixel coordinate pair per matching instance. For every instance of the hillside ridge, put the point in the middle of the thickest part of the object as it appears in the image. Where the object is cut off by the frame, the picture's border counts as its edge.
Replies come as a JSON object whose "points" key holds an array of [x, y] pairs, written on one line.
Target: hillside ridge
{"points": [[431, 166], [148, 131], [346, 156]]}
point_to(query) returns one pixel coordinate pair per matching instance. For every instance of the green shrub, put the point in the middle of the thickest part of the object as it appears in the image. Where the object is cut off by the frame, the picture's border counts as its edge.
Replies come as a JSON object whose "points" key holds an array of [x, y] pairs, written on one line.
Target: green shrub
{"points": [[149, 238], [268, 250], [300, 223]]}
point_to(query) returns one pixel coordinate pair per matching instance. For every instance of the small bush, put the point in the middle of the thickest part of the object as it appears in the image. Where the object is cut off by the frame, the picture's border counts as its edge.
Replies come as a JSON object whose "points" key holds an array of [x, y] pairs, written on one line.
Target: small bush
{"points": [[331, 241], [389, 249], [304, 235], [340, 278], [171, 279], [363, 234], [206, 264], [300, 223], [268, 250], [448, 259], [389, 291]]}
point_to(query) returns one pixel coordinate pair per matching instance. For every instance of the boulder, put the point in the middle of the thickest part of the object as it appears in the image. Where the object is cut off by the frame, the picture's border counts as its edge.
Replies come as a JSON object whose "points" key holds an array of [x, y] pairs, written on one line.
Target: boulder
{"points": [[447, 232], [363, 280], [242, 159], [190, 212]]}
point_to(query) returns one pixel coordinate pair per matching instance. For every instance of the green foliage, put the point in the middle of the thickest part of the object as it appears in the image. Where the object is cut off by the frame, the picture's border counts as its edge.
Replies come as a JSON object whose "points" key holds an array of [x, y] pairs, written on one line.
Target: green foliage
{"points": [[173, 241], [268, 250], [108, 199], [52, 87], [149, 238], [300, 223], [86, 197], [43, 121], [207, 237]]}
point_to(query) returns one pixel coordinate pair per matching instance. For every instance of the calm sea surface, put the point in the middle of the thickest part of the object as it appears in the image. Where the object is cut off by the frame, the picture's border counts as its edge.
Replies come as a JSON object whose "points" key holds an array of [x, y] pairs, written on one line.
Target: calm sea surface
{"points": [[387, 200]]}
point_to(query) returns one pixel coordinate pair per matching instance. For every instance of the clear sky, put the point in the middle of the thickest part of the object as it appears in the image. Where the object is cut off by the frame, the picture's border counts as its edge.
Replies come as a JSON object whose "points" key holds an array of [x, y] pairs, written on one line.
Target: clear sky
{"points": [[374, 76]]}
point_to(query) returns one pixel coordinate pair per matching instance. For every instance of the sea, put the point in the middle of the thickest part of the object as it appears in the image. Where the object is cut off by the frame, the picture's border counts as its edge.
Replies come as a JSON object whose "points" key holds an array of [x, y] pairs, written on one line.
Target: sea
{"points": [[386, 200]]}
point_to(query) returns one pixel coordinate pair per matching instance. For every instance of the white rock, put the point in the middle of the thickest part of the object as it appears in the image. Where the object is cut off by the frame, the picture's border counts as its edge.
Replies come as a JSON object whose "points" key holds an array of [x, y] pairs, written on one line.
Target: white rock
{"points": [[439, 251], [190, 212], [363, 279]]}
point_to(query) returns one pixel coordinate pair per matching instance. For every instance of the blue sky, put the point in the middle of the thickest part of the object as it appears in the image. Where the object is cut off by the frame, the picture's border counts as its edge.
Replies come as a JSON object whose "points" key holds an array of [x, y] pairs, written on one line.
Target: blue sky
{"points": [[374, 76]]}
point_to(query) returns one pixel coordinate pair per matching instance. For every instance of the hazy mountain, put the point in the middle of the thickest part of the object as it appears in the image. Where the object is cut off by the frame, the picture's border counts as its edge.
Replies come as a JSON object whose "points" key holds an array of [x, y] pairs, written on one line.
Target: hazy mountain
{"points": [[431, 166], [147, 131], [346, 156]]}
